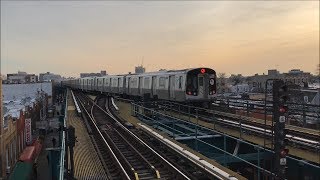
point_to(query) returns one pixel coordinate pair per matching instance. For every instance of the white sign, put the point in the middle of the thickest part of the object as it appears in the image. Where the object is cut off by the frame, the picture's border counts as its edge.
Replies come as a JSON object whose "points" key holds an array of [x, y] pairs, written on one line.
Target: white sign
{"points": [[28, 131], [211, 81], [283, 161], [282, 119]]}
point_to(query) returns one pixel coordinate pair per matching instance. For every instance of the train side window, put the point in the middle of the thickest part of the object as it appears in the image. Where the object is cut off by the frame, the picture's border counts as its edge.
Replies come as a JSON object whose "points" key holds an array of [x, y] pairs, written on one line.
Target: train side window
{"points": [[162, 82], [134, 83], [180, 82], [146, 82]]}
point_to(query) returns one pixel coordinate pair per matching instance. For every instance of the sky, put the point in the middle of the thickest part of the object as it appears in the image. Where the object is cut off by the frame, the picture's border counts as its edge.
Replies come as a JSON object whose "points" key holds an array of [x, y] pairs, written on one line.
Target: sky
{"points": [[233, 37]]}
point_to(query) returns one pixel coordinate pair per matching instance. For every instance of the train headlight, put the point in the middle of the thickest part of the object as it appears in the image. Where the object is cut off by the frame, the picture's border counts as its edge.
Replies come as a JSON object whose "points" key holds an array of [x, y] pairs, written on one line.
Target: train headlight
{"points": [[211, 82]]}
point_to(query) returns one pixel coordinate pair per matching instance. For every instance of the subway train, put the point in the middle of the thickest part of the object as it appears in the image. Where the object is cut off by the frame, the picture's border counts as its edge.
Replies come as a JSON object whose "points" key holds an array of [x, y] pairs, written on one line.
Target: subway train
{"points": [[187, 85]]}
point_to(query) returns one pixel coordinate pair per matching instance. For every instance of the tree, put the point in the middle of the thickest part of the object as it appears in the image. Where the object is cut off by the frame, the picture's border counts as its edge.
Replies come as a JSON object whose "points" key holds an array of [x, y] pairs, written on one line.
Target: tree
{"points": [[236, 79], [221, 82]]}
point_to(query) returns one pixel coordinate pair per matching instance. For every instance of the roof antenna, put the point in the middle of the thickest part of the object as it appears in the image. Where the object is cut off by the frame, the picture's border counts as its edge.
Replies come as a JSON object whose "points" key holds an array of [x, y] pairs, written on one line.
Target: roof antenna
{"points": [[142, 61]]}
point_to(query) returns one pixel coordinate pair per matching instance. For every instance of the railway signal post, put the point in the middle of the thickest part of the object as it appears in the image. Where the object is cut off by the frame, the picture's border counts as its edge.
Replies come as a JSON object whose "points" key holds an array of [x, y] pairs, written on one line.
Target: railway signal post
{"points": [[280, 112]]}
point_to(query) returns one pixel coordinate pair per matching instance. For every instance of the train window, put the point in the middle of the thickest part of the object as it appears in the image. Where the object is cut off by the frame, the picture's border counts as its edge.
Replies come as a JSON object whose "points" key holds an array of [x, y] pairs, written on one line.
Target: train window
{"points": [[134, 82], [200, 81], [180, 82], [162, 82], [146, 82], [192, 85]]}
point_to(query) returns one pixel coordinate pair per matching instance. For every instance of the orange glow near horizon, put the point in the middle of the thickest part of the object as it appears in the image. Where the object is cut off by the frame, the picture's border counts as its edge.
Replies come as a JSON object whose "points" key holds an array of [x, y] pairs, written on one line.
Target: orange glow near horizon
{"points": [[232, 37]]}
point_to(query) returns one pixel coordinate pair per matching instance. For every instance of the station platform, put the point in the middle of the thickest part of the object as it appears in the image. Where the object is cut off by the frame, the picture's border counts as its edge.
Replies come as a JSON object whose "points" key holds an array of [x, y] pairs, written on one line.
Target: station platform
{"points": [[125, 113], [43, 168], [86, 161]]}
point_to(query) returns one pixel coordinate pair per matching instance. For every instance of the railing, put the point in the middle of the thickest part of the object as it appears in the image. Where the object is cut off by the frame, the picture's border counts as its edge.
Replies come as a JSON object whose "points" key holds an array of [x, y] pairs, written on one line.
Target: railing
{"points": [[62, 145], [153, 117]]}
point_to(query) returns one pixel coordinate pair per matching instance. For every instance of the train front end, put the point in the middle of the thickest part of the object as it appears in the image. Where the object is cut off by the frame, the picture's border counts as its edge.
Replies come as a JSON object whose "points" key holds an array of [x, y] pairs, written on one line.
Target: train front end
{"points": [[201, 85]]}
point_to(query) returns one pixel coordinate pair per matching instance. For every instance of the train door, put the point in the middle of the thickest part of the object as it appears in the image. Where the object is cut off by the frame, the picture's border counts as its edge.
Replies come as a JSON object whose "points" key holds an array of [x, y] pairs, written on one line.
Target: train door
{"points": [[103, 85], [171, 87], [124, 85], [154, 86], [110, 85], [129, 89], [201, 87], [203, 84], [118, 85], [140, 85], [87, 85]]}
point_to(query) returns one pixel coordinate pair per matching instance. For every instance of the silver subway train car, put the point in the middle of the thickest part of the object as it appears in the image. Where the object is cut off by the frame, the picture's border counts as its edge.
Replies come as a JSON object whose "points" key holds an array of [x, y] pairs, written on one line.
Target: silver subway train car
{"points": [[196, 84]]}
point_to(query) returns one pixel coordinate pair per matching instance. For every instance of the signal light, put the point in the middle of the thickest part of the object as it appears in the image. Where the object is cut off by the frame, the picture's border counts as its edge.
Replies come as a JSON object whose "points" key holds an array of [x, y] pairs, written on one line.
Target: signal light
{"points": [[283, 109], [203, 70], [284, 152], [189, 92]]}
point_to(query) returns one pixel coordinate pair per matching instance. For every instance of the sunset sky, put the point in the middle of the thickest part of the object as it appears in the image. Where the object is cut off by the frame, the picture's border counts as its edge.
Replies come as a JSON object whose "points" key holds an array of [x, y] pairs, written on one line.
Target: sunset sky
{"points": [[232, 37]]}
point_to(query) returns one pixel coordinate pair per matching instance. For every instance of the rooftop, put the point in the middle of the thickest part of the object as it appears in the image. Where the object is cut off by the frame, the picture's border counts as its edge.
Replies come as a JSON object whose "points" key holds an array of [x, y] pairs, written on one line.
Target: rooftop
{"points": [[17, 96]]}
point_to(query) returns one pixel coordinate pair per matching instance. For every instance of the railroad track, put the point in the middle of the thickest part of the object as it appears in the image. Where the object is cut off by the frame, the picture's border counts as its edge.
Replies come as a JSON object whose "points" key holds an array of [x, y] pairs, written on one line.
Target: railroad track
{"points": [[110, 162], [131, 157]]}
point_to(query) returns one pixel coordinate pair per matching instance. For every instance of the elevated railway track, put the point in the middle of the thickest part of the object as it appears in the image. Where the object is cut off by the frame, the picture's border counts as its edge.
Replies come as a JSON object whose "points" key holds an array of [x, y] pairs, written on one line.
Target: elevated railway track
{"points": [[127, 156]]}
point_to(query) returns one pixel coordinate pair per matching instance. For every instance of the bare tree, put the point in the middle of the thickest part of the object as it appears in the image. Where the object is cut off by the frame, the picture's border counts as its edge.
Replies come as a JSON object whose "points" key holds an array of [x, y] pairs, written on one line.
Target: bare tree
{"points": [[221, 83], [222, 75], [236, 79]]}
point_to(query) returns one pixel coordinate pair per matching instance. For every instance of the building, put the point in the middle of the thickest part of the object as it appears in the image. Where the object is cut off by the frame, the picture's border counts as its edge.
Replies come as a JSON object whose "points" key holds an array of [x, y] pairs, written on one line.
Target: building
{"points": [[21, 103], [48, 77], [257, 83], [31, 78], [240, 88], [21, 77], [222, 84], [140, 70], [102, 73], [8, 142], [296, 76]]}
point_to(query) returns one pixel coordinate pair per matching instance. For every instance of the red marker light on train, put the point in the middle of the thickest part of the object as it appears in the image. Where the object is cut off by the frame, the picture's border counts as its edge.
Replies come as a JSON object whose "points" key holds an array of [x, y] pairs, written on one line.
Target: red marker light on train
{"points": [[283, 109], [284, 152], [189, 93], [203, 70]]}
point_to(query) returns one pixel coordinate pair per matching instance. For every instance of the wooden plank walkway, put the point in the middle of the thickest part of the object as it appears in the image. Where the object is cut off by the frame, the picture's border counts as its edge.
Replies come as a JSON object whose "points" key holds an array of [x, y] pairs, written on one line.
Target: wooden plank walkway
{"points": [[86, 161]]}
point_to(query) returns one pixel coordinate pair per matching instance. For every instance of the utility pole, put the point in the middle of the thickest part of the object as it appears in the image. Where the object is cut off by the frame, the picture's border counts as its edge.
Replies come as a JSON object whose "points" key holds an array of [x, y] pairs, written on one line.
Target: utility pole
{"points": [[280, 112]]}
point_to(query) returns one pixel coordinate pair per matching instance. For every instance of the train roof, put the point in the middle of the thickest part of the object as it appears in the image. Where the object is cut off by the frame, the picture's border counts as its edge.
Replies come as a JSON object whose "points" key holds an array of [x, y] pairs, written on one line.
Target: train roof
{"points": [[166, 72], [147, 73]]}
